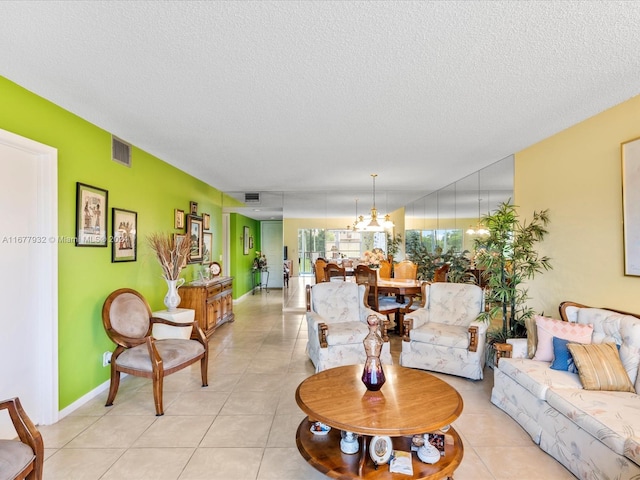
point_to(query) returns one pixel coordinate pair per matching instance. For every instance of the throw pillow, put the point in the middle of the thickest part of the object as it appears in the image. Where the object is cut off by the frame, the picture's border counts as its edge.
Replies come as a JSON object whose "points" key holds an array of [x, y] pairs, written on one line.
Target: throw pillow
{"points": [[600, 368], [549, 328], [562, 358], [532, 336]]}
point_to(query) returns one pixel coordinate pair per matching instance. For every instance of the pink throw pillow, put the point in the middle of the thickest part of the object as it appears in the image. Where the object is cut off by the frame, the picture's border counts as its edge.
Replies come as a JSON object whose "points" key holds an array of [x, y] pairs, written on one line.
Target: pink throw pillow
{"points": [[549, 328]]}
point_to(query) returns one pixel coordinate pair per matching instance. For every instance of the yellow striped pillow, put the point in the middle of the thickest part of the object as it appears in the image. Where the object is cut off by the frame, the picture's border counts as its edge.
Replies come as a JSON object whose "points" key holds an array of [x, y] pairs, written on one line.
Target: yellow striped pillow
{"points": [[600, 368]]}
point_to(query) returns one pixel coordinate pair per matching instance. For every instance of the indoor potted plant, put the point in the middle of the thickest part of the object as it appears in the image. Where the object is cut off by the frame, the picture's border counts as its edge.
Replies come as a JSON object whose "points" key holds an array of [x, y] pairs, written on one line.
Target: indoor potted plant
{"points": [[508, 257]]}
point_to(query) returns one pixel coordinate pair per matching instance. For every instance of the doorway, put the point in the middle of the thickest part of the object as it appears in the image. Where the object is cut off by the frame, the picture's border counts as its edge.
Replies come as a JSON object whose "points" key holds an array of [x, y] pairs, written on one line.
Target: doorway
{"points": [[29, 294]]}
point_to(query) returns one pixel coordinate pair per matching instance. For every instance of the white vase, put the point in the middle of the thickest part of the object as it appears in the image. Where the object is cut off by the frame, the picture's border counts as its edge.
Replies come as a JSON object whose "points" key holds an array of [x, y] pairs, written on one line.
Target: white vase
{"points": [[172, 299]]}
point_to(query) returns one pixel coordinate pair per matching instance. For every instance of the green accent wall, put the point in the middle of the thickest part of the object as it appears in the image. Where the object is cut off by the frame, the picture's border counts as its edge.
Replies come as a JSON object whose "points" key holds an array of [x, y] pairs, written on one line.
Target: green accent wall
{"points": [[242, 279], [86, 275]]}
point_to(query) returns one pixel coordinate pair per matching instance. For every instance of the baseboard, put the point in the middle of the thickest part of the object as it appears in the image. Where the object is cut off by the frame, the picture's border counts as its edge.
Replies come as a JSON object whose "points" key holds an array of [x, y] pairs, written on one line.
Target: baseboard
{"points": [[87, 397]]}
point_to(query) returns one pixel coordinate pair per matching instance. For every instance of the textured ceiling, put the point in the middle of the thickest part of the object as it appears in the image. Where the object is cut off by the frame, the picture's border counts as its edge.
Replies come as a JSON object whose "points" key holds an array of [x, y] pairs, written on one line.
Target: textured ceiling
{"points": [[306, 99]]}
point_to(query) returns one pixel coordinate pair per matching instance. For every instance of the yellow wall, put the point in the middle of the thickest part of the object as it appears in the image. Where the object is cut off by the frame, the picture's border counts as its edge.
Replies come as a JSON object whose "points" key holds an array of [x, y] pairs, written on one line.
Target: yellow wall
{"points": [[576, 174]]}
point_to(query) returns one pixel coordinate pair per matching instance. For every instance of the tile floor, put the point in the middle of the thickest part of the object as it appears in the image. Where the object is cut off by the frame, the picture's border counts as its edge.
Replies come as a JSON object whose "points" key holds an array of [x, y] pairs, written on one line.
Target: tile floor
{"points": [[242, 426]]}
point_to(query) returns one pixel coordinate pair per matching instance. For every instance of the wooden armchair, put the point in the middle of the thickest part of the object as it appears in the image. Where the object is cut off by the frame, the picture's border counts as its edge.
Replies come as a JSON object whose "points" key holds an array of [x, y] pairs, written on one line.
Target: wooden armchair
{"points": [[127, 319], [22, 458]]}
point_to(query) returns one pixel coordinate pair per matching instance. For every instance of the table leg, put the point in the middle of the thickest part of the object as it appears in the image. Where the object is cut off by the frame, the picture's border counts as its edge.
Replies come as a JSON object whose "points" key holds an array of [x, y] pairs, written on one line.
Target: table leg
{"points": [[363, 456]]}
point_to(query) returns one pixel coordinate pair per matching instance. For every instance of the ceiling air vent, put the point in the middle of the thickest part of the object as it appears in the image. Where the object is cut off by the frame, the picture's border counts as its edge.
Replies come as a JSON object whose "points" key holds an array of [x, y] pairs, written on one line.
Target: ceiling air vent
{"points": [[252, 197], [120, 151]]}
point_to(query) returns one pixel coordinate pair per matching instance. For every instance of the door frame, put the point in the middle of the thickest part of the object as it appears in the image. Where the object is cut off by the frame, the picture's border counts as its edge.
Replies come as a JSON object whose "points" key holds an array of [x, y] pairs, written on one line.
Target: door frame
{"points": [[46, 281]]}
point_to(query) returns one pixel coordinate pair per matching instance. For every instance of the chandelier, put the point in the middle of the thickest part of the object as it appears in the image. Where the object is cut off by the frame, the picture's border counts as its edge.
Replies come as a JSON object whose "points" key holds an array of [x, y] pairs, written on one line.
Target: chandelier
{"points": [[372, 224], [479, 229]]}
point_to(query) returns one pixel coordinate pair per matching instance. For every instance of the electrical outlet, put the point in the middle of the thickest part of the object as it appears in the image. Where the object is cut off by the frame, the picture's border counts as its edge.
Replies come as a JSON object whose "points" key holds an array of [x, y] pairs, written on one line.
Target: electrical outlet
{"points": [[106, 359]]}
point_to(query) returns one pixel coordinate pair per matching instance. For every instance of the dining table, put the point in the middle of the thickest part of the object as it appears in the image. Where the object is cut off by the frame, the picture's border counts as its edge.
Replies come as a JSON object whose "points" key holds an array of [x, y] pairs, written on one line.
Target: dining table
{"points": [[403, 289]]}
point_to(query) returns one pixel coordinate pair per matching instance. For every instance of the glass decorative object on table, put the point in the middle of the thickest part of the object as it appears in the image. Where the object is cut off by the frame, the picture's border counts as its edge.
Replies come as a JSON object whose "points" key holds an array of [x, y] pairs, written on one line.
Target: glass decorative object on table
{"points": [[372, 374]]}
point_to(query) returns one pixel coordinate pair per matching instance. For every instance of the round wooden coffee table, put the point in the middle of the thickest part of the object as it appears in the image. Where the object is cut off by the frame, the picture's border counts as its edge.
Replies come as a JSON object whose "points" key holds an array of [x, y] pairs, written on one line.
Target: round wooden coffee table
{"points": [[410, 402]]}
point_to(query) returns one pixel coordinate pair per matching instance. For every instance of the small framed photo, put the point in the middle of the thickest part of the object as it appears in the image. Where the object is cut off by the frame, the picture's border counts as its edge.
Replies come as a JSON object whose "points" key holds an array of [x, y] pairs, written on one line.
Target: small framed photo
{"points": [[124, 224], [178, 238], [206, 221], [193, 208], [194, 234], [178, 219], [91, 216], [250, 243], [207, 247]]}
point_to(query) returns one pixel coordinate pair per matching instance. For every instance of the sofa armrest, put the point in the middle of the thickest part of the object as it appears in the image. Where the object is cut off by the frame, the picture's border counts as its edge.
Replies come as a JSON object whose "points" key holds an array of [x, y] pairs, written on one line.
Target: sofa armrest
{"points": [[477, 332], [519, 347], [503, 350]]}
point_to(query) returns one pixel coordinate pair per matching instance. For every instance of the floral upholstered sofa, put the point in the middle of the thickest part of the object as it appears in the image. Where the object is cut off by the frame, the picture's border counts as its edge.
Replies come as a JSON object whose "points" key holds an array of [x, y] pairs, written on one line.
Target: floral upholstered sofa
{"points": [[590, 420]]}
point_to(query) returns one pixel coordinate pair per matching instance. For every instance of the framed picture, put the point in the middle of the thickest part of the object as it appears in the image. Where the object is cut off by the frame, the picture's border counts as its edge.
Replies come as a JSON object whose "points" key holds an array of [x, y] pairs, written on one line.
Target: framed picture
{"points": [[193, 208], [124, 225], [91, 216], [245, 240], [207, 247], [178, 238], [206, 221], [194, 233], [178, 218], [250, 242], [631, 205]]}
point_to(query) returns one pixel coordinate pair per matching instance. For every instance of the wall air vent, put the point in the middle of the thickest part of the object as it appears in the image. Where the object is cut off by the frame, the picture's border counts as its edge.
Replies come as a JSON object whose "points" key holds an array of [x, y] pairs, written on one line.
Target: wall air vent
{"points": [[252, 197], [120, 151]]}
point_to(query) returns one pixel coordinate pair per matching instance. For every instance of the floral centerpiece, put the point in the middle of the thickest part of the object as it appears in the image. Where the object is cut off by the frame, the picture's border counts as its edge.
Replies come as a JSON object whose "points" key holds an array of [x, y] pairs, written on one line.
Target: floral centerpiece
{"points": [[260, 262], [173, 256], [374, 257]]}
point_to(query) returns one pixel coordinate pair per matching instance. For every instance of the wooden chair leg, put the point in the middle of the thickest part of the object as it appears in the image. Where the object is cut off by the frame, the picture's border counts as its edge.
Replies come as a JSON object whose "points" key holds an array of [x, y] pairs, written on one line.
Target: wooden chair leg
{"points": [[113, 388], [204, 365], [157, 394]]}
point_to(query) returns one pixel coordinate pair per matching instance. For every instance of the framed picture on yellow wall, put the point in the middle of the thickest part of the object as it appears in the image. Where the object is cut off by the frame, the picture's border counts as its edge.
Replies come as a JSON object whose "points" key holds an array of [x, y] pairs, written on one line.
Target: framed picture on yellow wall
{"points": [[631, 205]]}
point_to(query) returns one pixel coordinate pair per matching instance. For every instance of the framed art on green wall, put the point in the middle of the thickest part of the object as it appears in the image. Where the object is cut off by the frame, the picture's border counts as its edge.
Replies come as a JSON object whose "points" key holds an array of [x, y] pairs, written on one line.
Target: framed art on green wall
{"points": [[124, 224], [245, 240], [194, 233], [91, 216]]}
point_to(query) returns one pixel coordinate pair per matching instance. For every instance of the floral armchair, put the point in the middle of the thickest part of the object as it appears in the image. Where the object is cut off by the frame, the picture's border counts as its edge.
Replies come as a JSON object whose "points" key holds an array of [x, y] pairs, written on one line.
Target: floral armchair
{"points": [[444, 335], [337, 322]]}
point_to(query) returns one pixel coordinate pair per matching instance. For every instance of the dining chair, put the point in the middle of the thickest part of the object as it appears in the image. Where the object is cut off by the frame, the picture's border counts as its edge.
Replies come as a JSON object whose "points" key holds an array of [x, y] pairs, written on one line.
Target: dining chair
{"points": [[318, 269], [385, 269], [383, 304], [22, 458], [334, 272], [440, 275], [127, 319], [405, 269]]}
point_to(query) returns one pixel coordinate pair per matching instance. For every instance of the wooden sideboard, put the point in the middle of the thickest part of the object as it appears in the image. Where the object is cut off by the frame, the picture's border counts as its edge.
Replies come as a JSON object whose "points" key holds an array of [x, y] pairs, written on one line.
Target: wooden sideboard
{"points": [[213, 303]]}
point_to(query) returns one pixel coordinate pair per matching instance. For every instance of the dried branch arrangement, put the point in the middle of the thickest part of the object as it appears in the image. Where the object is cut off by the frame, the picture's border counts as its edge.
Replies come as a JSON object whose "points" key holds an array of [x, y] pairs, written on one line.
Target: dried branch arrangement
{"points": [[172, 255]]}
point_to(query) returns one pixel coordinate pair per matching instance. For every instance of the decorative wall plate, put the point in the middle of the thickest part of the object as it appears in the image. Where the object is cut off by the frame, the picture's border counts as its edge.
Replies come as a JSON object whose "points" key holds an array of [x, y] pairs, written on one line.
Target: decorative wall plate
{"points": [[380, 449], [215, 269]]}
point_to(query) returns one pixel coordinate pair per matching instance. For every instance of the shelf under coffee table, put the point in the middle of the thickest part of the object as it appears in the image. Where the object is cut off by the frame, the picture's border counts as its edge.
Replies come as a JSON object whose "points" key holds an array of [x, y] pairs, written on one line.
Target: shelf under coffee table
{"points": [[410, 402]]}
